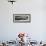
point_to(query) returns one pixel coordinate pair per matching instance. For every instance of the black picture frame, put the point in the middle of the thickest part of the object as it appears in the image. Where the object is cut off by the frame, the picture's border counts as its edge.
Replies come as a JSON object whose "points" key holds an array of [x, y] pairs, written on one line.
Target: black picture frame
{"points": [[21, 18]]}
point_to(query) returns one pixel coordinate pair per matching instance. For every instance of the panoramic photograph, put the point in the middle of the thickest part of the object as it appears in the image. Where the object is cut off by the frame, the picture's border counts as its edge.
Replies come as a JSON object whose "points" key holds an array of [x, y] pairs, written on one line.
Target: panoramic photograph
{"points": [[21, 18]]}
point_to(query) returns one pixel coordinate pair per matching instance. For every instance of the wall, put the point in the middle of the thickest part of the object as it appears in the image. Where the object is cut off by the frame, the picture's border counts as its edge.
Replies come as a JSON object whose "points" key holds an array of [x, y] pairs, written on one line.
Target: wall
{"points": [[37, 27]]}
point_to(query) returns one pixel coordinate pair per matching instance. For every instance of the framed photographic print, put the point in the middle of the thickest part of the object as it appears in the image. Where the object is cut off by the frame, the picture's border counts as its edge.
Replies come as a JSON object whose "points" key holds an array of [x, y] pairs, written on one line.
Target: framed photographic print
{"points": [[21, 18]]}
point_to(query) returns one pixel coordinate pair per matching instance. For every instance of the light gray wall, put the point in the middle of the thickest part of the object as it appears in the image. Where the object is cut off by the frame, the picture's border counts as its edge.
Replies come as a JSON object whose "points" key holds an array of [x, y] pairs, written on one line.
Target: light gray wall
{"points": [[37, 27]]}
